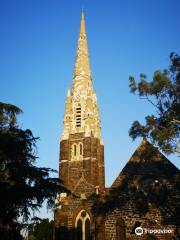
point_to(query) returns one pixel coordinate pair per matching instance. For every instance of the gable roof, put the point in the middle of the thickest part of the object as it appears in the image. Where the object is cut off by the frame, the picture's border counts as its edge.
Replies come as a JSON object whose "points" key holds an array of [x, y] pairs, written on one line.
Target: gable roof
{"points": [[147, 161], [83, 187]]}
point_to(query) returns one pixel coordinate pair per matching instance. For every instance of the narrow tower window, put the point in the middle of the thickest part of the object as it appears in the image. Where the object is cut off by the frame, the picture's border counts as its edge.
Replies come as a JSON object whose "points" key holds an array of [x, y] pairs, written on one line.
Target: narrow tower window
{"points": [[75, 149], [74, 152], [80, 149]]}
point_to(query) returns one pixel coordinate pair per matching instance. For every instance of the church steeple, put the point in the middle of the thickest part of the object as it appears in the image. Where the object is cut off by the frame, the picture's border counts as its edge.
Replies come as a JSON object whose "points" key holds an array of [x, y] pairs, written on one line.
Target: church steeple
{"points": [[81, 146], [81, 113], [81, 160]]}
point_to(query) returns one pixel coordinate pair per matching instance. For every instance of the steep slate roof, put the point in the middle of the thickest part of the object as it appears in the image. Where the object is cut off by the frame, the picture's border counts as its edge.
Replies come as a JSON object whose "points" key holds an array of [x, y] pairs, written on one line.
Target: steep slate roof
{"points": [[147, 161]]}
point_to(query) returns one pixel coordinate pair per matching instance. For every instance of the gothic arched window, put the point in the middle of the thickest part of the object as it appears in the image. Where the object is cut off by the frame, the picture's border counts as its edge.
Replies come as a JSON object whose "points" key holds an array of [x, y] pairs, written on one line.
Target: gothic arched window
{"points": [[120, 229], [74, 151], [87, 229], [79, 229], [83, 226], [77, 151]]}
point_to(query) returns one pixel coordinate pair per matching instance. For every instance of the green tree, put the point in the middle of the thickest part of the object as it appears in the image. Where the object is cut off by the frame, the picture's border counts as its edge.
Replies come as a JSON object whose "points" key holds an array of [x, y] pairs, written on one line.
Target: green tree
{"points": [[163, 92], [42, 230], [23, 185]]}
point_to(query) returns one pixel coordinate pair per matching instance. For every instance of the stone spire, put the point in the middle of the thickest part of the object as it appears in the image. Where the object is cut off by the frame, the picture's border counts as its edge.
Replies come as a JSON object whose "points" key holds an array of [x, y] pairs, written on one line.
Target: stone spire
{"points": [[81, 113], [82, 59]]}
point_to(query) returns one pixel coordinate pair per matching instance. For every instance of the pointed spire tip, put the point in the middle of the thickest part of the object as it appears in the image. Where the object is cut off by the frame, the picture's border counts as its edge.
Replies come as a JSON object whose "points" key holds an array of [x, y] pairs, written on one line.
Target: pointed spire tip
{"points": [[82, 13]]}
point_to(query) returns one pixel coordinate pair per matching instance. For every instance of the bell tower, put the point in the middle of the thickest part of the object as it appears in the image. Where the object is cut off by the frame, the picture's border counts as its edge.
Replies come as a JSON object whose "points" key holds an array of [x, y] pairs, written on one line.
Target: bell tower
{"points": [[81, 145]]}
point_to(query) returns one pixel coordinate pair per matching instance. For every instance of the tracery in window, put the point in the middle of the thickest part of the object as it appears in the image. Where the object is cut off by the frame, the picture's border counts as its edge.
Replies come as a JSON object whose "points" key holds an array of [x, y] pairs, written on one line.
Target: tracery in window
{"points": [[87, 229], [82, 225], [79, 229]]}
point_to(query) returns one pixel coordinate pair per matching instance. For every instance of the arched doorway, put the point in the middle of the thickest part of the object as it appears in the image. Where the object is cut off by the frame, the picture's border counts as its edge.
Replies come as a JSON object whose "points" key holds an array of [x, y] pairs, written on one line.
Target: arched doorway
{"points": [[83, 226]]}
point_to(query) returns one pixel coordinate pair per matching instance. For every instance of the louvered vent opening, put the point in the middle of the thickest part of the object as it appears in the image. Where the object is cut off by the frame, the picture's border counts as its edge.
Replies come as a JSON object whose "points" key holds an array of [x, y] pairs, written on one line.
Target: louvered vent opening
{"points": [[78, 117]]}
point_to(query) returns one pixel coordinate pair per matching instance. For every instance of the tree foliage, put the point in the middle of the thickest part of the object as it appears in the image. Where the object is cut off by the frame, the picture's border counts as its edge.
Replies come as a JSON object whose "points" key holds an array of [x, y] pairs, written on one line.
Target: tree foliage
{"points": [[42, 230], [163, 92], [23, 185]]}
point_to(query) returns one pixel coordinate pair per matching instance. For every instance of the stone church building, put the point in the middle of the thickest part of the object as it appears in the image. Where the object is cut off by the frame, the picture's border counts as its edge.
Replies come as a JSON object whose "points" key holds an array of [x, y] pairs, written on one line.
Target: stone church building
{"points": [[142, 203]]}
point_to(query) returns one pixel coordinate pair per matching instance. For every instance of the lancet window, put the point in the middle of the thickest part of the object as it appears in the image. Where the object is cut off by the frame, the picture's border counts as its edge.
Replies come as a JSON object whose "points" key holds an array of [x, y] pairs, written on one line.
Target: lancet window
{"points": [[77, 151], [80, 149], [74, 151], [82, 225]]}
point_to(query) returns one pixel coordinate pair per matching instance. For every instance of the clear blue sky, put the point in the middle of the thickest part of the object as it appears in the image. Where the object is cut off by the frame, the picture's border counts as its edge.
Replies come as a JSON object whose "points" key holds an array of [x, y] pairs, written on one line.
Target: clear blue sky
{"points": [[38, 41]]}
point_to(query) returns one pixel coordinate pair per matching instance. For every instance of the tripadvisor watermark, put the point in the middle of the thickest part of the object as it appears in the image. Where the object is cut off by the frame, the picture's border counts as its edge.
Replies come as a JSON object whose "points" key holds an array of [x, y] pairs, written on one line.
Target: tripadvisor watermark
{"points": [[139, 231]]}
